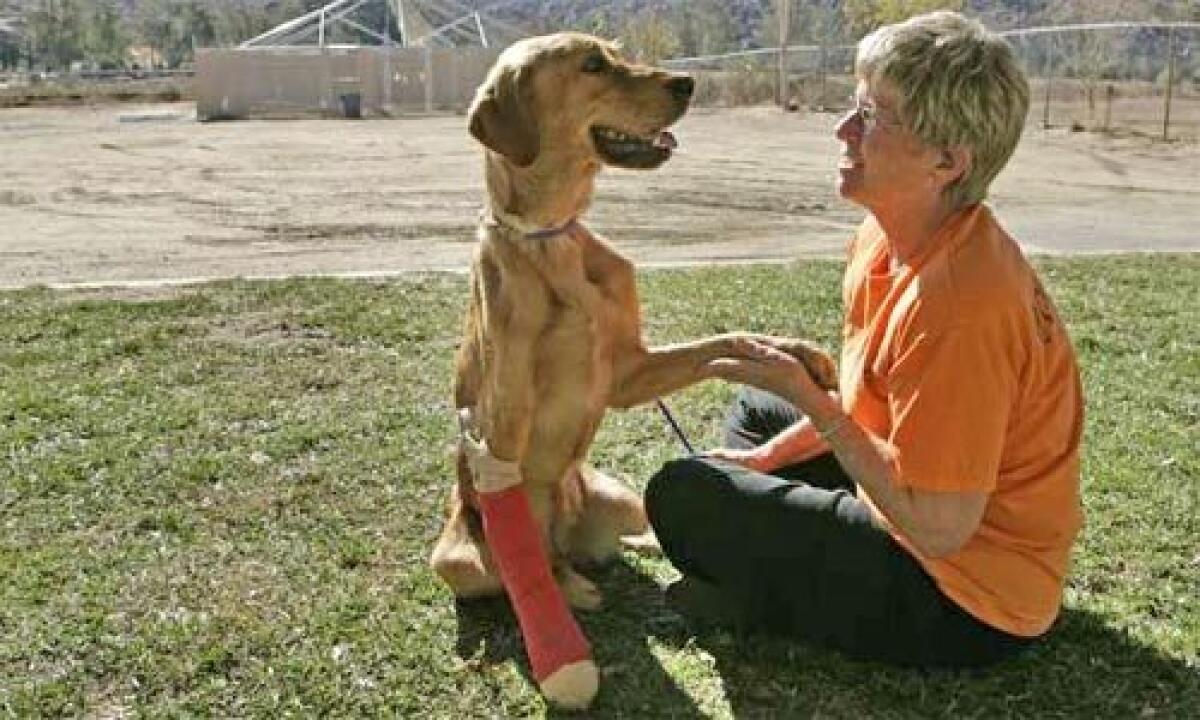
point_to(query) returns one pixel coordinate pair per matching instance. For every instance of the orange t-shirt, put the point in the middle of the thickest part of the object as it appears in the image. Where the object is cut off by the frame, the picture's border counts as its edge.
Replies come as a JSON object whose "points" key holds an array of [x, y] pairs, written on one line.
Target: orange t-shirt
{"points": [[961, 361]]}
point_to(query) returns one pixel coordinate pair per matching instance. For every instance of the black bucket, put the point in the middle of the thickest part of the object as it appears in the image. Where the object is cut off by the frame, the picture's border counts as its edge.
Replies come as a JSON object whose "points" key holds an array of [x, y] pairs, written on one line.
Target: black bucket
{"points": [[351, 105]]}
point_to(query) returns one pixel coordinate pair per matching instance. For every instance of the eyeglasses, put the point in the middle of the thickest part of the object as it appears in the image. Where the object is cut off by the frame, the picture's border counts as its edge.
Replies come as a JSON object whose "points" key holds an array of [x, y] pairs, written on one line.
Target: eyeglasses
{"points": [[869, 115]]}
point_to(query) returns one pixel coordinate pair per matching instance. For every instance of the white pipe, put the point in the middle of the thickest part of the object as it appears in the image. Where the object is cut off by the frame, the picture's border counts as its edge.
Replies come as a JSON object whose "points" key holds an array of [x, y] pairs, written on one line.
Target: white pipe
{"points": [[1096, 26], [482, 35], [290, 25]]}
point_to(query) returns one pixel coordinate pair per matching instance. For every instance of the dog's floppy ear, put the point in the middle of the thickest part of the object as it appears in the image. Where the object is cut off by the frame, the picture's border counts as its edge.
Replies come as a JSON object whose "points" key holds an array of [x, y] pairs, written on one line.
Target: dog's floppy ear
{"points": [[501, 117]]}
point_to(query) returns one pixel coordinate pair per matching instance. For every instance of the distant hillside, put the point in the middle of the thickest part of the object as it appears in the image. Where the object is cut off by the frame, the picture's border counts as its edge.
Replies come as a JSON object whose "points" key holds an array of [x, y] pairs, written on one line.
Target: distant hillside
{"points": [[745, 16], [62, 33], [737, 22]]}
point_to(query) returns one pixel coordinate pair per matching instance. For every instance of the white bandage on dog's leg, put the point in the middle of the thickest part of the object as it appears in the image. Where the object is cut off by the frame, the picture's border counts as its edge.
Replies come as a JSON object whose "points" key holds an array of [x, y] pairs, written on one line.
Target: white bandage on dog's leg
{"points": [[491, 474]]}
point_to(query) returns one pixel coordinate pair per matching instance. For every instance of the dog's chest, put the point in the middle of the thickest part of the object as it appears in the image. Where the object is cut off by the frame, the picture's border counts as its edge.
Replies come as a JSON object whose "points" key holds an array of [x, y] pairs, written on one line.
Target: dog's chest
{"points": [[581, 328], [575, 354]]}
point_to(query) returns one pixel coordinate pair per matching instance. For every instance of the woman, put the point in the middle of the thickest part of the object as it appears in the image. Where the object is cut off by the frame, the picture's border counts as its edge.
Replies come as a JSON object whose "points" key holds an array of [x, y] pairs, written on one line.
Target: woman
{"points": [[925, 514]]}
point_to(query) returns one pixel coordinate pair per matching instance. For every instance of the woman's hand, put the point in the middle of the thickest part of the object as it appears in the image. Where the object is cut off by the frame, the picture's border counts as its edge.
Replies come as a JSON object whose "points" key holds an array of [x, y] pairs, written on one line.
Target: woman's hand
{"points": [[798, 443], [758, 459], [754, 362]]}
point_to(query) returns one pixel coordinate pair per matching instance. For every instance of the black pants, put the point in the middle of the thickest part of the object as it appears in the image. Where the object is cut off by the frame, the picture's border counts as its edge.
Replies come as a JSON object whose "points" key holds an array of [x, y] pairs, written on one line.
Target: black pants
{"points": [[797, 553]]}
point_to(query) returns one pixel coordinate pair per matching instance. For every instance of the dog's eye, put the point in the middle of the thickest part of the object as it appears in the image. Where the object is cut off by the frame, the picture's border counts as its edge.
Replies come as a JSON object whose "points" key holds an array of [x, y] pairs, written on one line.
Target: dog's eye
{"points": [[595, 63]]}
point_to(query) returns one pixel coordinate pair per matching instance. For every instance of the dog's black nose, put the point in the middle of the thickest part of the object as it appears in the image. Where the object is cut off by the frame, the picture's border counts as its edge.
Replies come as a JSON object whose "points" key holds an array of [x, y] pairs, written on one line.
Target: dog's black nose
{"points": [[681, 87]]}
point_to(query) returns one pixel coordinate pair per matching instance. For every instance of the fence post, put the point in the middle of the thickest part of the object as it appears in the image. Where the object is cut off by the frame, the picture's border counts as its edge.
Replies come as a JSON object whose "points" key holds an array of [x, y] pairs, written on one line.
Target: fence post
{"points": [[1109, 92], [387, 79], [823, 73], [1049, 85], [428, 77], [1170, 83], [785, 13]]}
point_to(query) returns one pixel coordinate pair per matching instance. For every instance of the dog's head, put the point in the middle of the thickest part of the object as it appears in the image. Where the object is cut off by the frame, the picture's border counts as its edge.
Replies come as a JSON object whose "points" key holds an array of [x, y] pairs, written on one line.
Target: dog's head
{"points": [[570, 94]]}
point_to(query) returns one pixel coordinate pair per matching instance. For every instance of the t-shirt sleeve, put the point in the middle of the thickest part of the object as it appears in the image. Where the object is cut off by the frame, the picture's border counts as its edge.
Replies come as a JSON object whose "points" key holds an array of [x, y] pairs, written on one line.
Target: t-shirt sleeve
{"points": [[950, 394]]}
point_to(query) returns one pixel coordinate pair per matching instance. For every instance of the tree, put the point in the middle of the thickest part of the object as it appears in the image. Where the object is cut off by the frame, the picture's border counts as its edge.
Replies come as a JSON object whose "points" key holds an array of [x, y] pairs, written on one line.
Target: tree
{"points": [[105, 41], [812, 22], [11, 42], [237, 22], [152, 25], [54, 30], [193, 25], [649, 37], [705, 27], [863, 16]]}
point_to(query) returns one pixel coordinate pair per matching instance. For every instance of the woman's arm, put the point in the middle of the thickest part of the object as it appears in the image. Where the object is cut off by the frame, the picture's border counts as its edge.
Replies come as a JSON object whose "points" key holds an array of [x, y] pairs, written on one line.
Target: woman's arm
{"points": [[796, 443], [937, 523]]}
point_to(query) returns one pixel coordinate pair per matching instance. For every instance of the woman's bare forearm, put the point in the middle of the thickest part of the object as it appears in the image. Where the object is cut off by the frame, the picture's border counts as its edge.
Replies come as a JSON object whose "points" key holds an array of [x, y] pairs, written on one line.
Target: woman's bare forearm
{"points": [[937, 526]]}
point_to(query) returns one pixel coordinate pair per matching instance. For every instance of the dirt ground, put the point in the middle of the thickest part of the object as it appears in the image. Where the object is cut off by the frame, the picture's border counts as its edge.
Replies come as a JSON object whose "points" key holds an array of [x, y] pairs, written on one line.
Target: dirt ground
{"points": [[131, 194]]}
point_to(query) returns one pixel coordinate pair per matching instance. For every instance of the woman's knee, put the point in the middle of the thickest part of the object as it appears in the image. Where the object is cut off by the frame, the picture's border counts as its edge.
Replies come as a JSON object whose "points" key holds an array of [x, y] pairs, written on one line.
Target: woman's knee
{"points": [[665, 486], [680, 492], [684, 501]]}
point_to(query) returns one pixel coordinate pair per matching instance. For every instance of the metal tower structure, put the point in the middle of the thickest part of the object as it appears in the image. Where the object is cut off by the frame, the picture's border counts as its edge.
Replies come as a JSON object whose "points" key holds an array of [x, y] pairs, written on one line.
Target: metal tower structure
{"points": [[408, 23]]}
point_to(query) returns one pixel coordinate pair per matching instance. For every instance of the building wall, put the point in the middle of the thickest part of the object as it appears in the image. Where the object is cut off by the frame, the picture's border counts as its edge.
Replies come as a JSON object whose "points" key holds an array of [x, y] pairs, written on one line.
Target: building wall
{"points": [[245, 82]]}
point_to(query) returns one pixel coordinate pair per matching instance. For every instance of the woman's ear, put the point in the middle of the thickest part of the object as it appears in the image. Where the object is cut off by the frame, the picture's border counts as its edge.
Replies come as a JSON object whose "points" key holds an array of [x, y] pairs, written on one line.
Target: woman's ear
{"points": [[502, 115], [952, 165]]}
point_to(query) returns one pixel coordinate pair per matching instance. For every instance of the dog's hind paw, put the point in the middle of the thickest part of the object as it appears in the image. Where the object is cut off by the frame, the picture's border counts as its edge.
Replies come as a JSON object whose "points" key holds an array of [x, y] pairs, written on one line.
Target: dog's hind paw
{"points": [[581, 593], [645, 544]]}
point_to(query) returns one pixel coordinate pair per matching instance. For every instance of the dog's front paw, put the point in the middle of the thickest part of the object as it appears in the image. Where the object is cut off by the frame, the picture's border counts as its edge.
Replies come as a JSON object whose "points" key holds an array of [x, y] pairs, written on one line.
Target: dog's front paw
{"points": [[820, 365], [581, 593]]}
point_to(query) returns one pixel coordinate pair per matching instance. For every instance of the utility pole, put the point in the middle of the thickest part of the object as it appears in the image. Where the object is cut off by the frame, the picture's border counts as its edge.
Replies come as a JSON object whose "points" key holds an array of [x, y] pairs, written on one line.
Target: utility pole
{"points": [[1170, 83], [400, 22], [785, 26], [1049, 85]]}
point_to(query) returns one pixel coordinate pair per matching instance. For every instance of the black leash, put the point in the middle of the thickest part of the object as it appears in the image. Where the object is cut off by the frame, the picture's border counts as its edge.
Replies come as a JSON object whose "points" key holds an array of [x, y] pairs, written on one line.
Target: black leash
{"points": [[675, 426]]}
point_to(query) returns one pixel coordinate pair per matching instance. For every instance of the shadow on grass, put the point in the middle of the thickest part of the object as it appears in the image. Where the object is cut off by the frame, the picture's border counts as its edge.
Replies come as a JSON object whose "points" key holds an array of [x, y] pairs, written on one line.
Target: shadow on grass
{"points": [[633, 681], [1084, 669]]}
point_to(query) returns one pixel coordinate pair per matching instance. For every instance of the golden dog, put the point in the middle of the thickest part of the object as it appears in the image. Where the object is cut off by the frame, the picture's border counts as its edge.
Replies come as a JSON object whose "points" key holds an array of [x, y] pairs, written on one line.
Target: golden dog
{"points": [[552, 333]]}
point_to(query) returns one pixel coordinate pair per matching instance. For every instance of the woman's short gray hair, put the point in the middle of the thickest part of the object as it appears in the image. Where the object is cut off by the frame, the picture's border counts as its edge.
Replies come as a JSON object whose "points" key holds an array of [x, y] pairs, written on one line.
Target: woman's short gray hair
{"points": [[959, 85]]}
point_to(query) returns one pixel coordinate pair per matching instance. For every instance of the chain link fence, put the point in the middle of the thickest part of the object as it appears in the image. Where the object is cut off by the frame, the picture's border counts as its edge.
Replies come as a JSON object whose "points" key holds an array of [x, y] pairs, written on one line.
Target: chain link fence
{"points": [[1119, 78], [1123, 78], [818, 76]]}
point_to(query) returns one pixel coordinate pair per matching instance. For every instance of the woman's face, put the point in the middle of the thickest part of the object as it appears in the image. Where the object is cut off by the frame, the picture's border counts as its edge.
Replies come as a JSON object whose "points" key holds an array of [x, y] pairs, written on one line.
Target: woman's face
{"points": [[883, 166]]}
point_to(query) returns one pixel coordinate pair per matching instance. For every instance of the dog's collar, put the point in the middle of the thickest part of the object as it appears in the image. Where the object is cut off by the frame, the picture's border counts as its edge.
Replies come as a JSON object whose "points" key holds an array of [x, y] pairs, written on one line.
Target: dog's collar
{"points": [[550, 232], [492, 216]]}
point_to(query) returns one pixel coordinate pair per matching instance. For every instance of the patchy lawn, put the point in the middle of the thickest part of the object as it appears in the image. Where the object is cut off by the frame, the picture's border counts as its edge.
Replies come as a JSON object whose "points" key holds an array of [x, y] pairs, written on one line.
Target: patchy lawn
{"points": [[219, 500]]}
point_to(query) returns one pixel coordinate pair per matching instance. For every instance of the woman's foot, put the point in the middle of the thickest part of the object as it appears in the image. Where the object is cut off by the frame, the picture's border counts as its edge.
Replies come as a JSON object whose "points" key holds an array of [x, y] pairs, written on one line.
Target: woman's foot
{"points": [[704, 604]]}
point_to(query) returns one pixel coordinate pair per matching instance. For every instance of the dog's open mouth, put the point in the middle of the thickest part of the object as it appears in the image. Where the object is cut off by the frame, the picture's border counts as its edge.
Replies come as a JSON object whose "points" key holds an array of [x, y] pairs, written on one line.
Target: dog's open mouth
{"points": [[628, 150]]}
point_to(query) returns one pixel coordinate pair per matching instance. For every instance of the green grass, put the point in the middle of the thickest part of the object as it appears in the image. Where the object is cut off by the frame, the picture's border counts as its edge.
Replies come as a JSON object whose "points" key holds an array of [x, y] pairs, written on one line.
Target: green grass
{"points": [[218, 501]]}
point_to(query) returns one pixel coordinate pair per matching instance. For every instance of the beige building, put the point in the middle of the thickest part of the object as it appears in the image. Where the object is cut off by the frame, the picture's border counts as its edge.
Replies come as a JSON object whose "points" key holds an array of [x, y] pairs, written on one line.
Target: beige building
{"points": [[425, 60], [336, 80]]}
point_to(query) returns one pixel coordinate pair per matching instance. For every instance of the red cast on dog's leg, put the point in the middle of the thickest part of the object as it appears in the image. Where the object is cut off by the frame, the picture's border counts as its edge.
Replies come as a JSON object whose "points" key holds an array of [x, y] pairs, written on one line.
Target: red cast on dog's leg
{"points": [[558, 652], [552, 636]]}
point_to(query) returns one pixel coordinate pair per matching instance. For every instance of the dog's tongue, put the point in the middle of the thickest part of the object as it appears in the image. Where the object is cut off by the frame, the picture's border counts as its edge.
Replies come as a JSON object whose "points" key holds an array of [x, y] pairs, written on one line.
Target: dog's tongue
{"points": [[666, 140]]}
